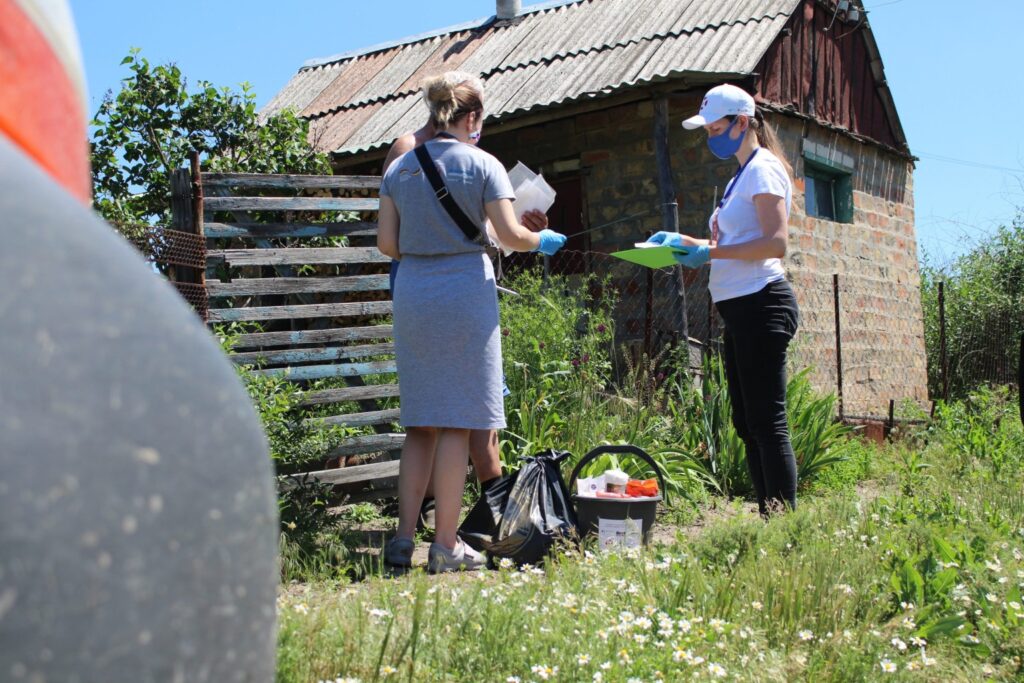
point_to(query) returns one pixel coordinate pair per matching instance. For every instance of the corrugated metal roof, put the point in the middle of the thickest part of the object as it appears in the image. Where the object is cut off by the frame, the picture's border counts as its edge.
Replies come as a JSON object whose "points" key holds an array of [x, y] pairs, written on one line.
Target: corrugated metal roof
{"points": [[550, 54]]}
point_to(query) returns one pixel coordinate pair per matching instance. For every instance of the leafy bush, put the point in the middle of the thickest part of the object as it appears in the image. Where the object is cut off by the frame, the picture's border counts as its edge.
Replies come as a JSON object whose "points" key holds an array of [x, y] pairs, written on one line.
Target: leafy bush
{"points": [[984, 302], [151, 125]]}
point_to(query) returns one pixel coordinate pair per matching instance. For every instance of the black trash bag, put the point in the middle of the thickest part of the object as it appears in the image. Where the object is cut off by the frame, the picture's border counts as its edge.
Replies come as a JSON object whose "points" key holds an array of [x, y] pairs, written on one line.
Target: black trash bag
{"points": [[535, 512], [480, 527]]}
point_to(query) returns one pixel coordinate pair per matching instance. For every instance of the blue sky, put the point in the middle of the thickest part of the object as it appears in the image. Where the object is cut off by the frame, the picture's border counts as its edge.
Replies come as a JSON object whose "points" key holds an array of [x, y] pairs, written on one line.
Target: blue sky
{"points": [[953, 68]]}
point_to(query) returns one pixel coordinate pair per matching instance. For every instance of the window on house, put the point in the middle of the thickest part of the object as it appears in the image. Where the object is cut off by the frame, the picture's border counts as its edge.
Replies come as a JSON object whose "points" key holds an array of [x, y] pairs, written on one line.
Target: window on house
{"points": [[828, 188]]}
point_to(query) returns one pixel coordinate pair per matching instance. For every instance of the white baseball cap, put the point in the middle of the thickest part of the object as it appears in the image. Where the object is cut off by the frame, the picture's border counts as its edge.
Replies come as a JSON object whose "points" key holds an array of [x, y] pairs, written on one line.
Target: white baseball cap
{"points": [[722, 100]]}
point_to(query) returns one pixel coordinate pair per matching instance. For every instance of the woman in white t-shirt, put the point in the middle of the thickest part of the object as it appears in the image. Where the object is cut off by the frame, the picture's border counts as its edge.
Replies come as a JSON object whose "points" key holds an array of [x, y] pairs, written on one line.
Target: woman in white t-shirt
{"points": [[749, 236]]}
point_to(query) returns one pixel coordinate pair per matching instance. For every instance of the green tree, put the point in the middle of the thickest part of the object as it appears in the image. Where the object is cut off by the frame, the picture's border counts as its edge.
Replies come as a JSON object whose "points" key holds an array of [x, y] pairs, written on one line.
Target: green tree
{"points": [[150, 127], [984, 301]]}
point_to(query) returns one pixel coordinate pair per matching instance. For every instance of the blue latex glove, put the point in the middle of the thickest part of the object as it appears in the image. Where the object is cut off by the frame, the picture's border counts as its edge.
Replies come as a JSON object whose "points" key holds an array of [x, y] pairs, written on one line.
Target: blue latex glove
{"points": [[695, 257], [667, 239], [550, 241]]}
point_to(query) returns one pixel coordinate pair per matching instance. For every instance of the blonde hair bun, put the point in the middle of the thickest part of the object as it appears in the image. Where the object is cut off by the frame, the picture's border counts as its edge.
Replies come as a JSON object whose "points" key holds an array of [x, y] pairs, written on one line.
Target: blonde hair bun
{"points": [[451, 95]]}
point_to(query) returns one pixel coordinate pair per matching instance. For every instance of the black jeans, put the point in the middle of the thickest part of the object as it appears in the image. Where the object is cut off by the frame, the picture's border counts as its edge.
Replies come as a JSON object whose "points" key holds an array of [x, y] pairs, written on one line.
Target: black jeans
{"points": [[758, 328]]}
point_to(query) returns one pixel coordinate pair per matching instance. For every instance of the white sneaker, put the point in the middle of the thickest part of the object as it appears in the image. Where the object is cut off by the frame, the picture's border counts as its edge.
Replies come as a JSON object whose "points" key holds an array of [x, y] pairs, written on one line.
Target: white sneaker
{"points": [[463, 558]]}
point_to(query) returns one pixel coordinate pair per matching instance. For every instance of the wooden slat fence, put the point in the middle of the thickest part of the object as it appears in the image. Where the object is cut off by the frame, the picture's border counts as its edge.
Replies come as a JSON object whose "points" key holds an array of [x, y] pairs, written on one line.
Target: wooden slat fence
{"points": [[315, 292]]}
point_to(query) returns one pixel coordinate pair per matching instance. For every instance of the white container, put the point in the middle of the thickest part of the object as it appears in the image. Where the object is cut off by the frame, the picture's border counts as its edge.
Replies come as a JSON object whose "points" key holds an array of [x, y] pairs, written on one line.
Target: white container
{"points": [[615, 481]]}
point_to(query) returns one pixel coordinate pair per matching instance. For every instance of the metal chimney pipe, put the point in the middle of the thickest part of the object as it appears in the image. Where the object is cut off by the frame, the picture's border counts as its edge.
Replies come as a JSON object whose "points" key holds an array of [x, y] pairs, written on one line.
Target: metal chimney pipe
{"points": [[508, 9]]}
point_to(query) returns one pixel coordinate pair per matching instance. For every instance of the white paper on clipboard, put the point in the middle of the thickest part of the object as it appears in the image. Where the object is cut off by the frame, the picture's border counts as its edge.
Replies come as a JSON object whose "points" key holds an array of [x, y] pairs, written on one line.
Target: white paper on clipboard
{"points": [[532, 192]]}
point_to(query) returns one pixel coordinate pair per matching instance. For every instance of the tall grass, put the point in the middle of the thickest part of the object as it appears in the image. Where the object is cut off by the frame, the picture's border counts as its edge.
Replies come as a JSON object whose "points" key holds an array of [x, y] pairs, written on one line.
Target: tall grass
{"points": [[925, 587]]}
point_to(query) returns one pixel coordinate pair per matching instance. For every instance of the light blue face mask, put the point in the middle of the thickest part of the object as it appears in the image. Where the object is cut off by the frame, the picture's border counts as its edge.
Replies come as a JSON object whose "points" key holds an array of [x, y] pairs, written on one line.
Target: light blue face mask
{"points": [[722, 146]]}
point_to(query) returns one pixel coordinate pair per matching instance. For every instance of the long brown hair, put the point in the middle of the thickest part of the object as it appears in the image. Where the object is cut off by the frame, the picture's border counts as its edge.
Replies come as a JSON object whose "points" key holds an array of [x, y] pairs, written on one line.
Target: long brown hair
{"points": [[766, 137], [452, 95]]}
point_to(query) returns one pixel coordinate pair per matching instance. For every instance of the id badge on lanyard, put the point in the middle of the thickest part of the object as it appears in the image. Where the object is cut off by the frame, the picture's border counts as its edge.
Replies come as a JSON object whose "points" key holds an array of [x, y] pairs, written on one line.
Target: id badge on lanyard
{"points": [[727, 194]]}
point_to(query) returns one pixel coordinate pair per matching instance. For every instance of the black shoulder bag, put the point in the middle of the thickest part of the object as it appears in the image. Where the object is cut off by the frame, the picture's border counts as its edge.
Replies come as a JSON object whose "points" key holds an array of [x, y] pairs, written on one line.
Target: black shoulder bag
{"points": [[472, 232]]}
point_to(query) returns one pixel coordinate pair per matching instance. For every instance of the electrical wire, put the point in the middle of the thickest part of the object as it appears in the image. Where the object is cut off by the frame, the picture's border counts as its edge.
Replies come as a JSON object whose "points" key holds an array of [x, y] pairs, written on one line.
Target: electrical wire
{"points": [[970, 164]]}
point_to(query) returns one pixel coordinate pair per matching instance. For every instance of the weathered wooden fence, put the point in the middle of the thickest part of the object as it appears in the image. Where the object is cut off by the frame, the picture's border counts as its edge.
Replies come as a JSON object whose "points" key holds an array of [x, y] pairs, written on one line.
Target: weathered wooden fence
{"points": [[318, 290]]}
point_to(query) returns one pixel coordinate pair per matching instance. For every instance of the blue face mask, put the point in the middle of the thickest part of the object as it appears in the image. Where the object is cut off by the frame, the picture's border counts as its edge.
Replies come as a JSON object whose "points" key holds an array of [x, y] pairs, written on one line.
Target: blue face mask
{"points": [[722, 146]]}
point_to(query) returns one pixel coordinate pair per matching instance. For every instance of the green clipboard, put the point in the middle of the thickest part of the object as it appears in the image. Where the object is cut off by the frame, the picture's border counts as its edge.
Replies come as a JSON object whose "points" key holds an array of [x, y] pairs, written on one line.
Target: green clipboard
{"points": [[651, 257]]}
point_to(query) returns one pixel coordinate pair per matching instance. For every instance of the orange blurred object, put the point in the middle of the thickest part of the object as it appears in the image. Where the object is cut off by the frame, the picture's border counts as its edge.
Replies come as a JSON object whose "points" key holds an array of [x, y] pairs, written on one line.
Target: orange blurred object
{"points": [[42, 98], [642, 489]]}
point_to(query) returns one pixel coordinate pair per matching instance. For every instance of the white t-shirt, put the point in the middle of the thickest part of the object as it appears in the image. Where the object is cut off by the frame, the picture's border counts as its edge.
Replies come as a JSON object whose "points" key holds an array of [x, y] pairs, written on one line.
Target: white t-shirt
{"points": [[738, 223]]}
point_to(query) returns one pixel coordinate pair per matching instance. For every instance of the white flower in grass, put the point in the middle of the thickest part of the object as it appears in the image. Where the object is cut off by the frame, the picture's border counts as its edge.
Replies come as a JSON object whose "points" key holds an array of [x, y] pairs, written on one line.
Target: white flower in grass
{"points": [[991, 597], [633, 680], [899, 644], [301, 608], [987, 670], [513, 679], [697, 661], [605, 666], [887, 666], [926, 660], [994, 566], [684, 625], [913, 665], [805, 635], [717, 625], [971, 638], [909, 623], [624, 657], [845, 588], [388, 670], [716, 670], [640, 638], [598, 677], [681, 655], [544, 672], [918, 642], [378, 614], [757, 605], [583, 660], [643, 623]]}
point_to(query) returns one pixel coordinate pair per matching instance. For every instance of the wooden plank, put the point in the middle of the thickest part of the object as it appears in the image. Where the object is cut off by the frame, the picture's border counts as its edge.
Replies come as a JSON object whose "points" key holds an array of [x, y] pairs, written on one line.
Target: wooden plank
{"points": [[374, 443], [291, 204], [290, 181], [300, 311], [354, 474], [375, 417], [288, 338], [292, 357], [370, 391], [257, 286], [353, 228], [297, 256], [308, 372]]}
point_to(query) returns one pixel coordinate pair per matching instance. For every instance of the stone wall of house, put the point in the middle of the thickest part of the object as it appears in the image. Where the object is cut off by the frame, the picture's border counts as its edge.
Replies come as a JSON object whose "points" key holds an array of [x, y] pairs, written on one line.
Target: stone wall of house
{"points": [[612, 149]]}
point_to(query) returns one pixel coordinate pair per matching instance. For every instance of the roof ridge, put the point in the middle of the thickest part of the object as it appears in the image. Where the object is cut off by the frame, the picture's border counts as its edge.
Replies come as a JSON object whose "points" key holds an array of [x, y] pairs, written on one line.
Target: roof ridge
{"points": [[556, 57], [428, 35]]}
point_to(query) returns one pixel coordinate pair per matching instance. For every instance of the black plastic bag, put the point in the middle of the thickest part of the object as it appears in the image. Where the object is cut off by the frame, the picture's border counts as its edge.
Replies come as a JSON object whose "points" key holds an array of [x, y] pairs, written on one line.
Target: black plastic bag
{"points": [[523, 516]]}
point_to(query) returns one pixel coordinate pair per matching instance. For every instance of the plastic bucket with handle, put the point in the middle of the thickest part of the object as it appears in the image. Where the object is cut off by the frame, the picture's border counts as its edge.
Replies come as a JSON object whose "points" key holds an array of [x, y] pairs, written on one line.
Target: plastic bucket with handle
{"points": [[616, 521]]}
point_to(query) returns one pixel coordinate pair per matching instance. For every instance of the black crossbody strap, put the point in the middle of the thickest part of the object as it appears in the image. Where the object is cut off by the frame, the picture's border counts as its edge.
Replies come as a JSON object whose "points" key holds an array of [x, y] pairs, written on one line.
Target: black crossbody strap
{"points": [[470, 229]]}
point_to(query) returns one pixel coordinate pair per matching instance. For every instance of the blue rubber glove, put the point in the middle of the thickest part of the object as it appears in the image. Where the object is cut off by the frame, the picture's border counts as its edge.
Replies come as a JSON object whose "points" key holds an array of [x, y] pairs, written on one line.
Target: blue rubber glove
{"points": [[550, 241], [667, 239], [695, 257]]}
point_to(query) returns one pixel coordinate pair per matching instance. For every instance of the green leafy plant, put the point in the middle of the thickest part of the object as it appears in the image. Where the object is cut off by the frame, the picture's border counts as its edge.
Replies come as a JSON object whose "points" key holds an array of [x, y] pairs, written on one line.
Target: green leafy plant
{"points": [[155, 121]]}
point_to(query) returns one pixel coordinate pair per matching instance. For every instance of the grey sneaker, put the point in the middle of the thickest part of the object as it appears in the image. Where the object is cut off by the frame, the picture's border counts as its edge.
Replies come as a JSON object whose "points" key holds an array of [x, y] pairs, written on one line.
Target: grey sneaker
{"points": [[463, 558], [398, 552]]}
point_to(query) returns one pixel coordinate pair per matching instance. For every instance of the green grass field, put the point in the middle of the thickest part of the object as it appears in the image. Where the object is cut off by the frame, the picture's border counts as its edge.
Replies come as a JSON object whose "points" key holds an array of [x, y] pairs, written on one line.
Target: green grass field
{"points": [[905, 562]]}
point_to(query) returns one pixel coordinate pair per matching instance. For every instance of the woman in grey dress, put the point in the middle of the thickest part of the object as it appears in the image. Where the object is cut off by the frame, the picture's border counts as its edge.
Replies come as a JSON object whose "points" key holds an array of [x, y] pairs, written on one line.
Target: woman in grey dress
{"points": [[447, 342]]}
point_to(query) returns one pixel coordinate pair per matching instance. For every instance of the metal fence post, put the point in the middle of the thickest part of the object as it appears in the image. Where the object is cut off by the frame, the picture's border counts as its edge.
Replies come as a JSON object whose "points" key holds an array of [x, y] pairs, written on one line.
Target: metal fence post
{"points": [[943, 361], [839, 343]]}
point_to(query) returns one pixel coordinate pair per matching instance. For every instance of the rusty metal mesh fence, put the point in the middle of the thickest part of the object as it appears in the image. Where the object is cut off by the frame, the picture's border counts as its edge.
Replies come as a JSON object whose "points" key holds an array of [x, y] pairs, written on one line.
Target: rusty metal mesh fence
{"points": [[180, 256]]}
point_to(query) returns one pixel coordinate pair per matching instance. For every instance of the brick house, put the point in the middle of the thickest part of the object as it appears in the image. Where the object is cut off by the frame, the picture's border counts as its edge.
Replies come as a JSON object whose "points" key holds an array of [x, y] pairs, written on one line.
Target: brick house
{"points": [[591, 93]]}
